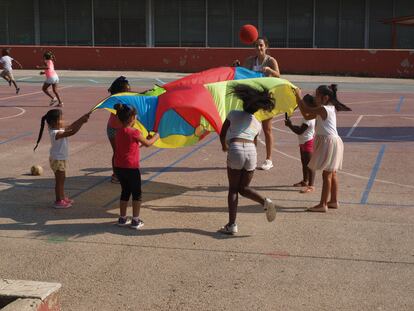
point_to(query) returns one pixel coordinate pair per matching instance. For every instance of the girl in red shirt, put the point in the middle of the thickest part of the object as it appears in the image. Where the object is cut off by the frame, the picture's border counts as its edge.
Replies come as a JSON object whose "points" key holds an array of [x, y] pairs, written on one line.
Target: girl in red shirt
{"points": [[126, 162]]}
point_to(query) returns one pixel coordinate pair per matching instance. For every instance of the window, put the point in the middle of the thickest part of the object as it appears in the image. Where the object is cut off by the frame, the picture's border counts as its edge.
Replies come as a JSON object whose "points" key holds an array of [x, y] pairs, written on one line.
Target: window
{"points": [[193, 22], [21, 22], [133, 31], [219, 23], [106, 15], [380, 33], [327, 23], [300, 23], [166, 20], [274, 22], [245, 12], [405, 34], [352, 24], [52, 22], [79, 22]]}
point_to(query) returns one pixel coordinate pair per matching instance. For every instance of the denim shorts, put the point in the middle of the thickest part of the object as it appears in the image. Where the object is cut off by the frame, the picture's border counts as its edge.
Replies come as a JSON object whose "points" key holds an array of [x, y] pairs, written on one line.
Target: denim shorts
{"points": [[242, 156]]}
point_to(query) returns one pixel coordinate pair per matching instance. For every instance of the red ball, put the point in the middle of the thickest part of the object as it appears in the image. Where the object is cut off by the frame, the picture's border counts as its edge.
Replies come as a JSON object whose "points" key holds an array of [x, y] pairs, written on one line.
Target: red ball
{"points": [[248, 34]]}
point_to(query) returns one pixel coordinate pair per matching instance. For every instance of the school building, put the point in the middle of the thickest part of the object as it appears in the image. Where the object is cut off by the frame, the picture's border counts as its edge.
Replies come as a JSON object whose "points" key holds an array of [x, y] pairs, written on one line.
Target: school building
{"points": [[373, 24]]}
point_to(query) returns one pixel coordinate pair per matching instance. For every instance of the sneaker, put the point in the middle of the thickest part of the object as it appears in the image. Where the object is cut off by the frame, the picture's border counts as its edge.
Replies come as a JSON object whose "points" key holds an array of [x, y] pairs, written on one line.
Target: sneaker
{"points": [[70, 201], [60, 104], [229, 229], [270, 210], [53, 101], [17, 90], [62, 204], [123, 221], [267, 165], [137, 223]]}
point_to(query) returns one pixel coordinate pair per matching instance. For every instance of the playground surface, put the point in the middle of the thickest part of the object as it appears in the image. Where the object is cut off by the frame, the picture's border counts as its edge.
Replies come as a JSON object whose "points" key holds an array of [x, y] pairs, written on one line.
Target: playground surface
{"points": [[359, 257]]}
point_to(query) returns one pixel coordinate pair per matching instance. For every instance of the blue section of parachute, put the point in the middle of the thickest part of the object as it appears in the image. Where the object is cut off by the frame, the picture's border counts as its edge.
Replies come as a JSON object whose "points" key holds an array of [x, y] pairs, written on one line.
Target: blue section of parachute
{"points": [[244, 73], [172, 123]]}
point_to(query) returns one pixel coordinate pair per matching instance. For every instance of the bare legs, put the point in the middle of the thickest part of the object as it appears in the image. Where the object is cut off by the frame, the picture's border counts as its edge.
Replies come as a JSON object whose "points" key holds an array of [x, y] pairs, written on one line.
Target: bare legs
{"points": [[45, 89], [329, 188], [60, 185], [239, 181], [268, 133], [308, 174]]}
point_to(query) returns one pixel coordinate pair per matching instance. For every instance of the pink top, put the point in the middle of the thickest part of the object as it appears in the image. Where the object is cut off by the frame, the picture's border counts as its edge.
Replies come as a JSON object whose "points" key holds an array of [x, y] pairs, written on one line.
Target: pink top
{"points": [[50, 71]]}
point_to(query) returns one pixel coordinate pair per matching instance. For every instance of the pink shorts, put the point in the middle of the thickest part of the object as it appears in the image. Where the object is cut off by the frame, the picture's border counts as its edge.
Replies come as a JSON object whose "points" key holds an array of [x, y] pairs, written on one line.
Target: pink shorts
{"points": [[307, 147]]}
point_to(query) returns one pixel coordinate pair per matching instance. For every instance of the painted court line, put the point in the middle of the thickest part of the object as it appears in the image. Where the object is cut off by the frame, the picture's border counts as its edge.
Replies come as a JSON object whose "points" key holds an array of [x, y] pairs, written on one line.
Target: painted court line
{"points": [[166, 168], [16, 137], [24, 78], [354, 126], [160, 81], [398, 108], [33, 93], [22, 111], [374, 172]]}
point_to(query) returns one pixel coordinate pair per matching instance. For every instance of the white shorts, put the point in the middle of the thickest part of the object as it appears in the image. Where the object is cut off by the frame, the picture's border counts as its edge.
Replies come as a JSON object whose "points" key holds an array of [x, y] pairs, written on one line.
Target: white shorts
{"points": [[6, 73], [242, 156], [52, 80]]}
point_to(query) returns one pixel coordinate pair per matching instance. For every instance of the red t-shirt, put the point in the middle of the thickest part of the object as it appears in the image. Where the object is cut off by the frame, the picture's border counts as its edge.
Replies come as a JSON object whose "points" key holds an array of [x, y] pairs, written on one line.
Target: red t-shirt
{"points": [[127, 148]]}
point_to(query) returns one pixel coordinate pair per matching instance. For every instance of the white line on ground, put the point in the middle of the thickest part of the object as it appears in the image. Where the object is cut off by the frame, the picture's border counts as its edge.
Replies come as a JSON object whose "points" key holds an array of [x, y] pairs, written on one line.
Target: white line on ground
{"points": [[343, 172], [160, 81], [24, 78], [94, 81], [33, 93], [354, 126], [22, 111]]}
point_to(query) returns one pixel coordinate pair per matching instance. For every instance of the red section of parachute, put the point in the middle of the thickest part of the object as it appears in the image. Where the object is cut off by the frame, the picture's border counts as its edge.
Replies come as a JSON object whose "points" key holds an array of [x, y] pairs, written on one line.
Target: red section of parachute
{"points": [[204, 77], [190, 103]]}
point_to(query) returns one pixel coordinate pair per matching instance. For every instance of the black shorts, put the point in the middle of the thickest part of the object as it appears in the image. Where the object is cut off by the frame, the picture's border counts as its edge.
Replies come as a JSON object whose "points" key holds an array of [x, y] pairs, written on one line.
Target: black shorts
{"points": [[130, 179]]}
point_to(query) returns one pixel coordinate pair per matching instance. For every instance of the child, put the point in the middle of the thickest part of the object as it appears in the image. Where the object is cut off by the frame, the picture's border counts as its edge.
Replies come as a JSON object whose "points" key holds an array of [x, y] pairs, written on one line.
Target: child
{"points": [[52, 78], [305, 133], [59, 150], [7, 72], [126, 161], [329, 148], [120, 85], [239, 137]]}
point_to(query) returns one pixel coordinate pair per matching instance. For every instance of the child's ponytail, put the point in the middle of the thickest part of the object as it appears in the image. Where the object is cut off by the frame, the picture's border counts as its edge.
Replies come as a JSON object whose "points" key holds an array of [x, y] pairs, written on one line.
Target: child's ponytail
{"points": [[124, 112], [331, 92], [51, 117]]}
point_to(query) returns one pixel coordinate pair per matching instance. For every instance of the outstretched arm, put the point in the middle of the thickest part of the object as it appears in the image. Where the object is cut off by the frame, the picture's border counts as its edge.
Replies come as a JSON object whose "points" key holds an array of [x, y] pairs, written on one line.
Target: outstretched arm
{"points": [[223, 134], [299, 130], [149, 141], [20, 65], [309, 113], [74, 127]]}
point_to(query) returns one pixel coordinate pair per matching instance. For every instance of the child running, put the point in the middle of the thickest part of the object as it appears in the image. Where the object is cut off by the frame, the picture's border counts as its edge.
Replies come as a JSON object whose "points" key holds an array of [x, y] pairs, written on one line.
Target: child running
{"points": [[59, 150], [239, 138], [126, 163], [7, 73], [120, 85], [52, 78], [305, 133], [329, 148]]}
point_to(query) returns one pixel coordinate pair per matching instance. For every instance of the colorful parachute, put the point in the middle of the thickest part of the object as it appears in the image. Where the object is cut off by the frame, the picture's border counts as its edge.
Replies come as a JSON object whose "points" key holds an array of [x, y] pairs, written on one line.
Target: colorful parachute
{"points": [[184, 111]]}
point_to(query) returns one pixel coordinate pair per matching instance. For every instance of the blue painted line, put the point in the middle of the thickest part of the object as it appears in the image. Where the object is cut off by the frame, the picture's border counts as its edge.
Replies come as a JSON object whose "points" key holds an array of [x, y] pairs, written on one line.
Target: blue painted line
{"points": [[374, 172], [398, 108], [16, 137], [166, 168], [108, 178]]}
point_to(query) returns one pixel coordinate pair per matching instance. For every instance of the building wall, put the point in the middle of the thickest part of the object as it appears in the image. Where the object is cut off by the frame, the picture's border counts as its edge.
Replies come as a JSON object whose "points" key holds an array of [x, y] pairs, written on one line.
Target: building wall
{"points": [[203, 23], [381, 63]]}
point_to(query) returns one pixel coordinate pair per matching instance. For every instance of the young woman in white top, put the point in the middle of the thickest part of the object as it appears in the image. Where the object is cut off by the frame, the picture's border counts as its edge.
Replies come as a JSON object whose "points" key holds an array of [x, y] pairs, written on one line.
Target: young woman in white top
{"points": [[268, 65], [59, 150], [7, 73], [306, 133], [329, 148], [239, 138]]}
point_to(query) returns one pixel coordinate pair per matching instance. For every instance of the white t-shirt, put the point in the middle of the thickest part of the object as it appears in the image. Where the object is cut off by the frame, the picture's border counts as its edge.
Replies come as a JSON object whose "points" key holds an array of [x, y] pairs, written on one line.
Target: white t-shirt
{"points": [[59, 147], [243, 125], [309, 133], [327, 127], [6, 61]]}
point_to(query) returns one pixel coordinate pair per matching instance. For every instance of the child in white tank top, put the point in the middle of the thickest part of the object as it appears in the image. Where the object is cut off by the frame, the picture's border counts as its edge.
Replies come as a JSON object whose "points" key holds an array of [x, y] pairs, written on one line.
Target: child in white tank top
{"points": [[329, 148]]}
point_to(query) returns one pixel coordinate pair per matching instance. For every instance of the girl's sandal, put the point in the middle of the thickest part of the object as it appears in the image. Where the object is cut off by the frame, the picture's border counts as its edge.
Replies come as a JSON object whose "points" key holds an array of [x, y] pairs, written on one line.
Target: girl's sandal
{"points": [[300, 184], [318, 209], [308, 189]]}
